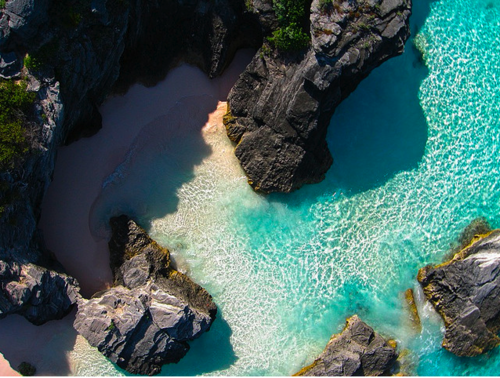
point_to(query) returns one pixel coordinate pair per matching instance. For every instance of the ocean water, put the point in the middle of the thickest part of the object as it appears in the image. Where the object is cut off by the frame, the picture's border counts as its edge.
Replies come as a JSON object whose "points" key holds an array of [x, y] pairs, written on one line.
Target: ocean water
{"points": [[411, 170]]}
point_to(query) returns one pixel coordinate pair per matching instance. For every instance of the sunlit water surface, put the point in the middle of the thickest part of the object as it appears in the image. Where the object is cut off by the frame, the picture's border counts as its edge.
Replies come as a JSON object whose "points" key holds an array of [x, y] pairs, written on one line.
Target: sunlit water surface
{"points": [[411, 170]]}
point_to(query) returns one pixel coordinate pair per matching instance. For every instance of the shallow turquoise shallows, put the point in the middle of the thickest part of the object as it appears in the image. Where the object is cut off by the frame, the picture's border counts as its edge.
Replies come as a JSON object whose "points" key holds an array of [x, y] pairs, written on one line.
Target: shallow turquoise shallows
{"points": [[416, 158]]}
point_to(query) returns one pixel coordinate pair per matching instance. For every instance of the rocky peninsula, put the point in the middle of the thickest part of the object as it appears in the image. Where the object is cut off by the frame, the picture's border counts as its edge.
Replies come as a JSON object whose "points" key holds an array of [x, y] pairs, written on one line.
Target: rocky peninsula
{"points": [[358, 350], [466, 293], [145, 320], [280, 108]]}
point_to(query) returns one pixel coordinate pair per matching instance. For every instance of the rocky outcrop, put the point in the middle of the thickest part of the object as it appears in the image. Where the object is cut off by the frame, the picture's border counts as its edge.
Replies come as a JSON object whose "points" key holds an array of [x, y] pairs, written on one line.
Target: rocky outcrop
{"points": [[76, 54], [37, 293], [358, 350], [146, 319], [466, 293], [280, 108]]}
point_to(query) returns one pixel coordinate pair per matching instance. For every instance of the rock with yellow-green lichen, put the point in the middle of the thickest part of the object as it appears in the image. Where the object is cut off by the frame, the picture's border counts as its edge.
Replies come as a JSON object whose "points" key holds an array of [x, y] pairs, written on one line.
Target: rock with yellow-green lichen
{"points": [[412, 310], [466, 292], [358, 350], [146, 319]]}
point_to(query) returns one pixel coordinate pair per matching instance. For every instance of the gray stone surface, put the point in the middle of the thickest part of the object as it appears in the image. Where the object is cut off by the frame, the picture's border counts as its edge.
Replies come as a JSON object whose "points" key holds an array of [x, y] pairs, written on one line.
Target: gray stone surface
{"points": [[466, 292], [281, 106], [37, 293], [146, 319], [358, 350], [10, 67]]}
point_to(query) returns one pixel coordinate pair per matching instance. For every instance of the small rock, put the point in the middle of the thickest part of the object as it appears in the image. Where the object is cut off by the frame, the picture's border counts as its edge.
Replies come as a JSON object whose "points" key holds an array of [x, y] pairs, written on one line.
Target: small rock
{"points": [[10, 66], [412, 310], [26, 369], [358, 350]]}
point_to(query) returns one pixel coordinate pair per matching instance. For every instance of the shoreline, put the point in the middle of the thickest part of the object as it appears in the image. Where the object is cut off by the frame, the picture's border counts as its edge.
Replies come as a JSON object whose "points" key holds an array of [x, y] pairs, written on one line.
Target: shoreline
{"points": [[66, 208]]}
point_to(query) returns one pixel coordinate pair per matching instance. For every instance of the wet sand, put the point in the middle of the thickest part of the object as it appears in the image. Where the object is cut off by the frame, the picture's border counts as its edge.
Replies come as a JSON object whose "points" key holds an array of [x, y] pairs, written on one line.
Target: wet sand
{"points": [[5, 368]]}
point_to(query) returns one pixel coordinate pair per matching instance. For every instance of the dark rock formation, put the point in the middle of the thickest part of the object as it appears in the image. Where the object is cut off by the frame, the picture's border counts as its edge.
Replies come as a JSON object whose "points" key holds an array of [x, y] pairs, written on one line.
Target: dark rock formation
{"points": [[26, 369], [358, 350], [37, 293], [80, 51], [280, 108], [146, 319], [466, 293]]}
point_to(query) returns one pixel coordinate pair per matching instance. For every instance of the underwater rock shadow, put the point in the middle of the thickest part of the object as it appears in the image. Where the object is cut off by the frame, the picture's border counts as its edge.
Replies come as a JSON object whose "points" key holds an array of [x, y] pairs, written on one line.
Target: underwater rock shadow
{"points": [[161, 159], [211, 352]]}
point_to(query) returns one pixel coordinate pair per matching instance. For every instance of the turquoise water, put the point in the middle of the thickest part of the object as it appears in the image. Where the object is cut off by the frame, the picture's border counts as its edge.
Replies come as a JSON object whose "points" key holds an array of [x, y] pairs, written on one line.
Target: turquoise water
{"points": [[417, 158]]}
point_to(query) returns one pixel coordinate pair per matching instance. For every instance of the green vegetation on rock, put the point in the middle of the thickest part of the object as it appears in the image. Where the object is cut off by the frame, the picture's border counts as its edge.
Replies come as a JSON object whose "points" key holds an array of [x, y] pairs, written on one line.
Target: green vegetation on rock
{"points": [[46, 54], [15, 102], [290, 35], [2, 4]]}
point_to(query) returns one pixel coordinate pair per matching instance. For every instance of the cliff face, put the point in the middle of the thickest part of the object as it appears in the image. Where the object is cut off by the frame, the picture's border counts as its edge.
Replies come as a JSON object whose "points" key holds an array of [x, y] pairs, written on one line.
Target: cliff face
{"points": [[280, 108], [76, 51]]}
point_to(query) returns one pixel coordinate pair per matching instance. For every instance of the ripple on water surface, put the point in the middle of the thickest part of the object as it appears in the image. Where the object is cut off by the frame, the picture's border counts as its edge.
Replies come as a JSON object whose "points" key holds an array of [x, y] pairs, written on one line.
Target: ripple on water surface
{"points": [[285, 271]]}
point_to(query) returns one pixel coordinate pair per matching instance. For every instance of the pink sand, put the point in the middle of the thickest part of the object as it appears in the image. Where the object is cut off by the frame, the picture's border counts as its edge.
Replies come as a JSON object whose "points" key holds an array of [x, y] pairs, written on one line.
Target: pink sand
{"points": [[82, 167], [5, 368]]}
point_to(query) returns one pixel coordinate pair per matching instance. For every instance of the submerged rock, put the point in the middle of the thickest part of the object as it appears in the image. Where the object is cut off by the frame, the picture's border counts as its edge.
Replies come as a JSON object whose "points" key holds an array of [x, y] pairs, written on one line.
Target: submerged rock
{"points": [[358, 350], [146, 319], [412, 311], [26, 369], [281, 106], [466, 293]]}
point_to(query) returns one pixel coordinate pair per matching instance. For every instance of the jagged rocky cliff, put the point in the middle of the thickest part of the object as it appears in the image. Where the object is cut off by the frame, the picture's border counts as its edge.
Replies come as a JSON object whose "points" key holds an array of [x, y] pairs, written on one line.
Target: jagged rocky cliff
{"points": [[145, 320], [78, 52], [280, 108]]}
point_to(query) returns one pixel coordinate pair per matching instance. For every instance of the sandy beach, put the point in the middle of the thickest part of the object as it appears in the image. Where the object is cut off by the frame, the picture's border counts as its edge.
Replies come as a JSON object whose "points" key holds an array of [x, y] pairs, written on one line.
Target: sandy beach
{"points": [[81, 184]]}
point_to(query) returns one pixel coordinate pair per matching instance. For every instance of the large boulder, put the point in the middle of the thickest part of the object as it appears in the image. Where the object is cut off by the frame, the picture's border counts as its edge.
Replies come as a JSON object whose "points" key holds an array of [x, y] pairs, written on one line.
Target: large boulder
{"points": [[37, 293], [280, 108], [466, 293], [358, 350], [145, 320]]}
